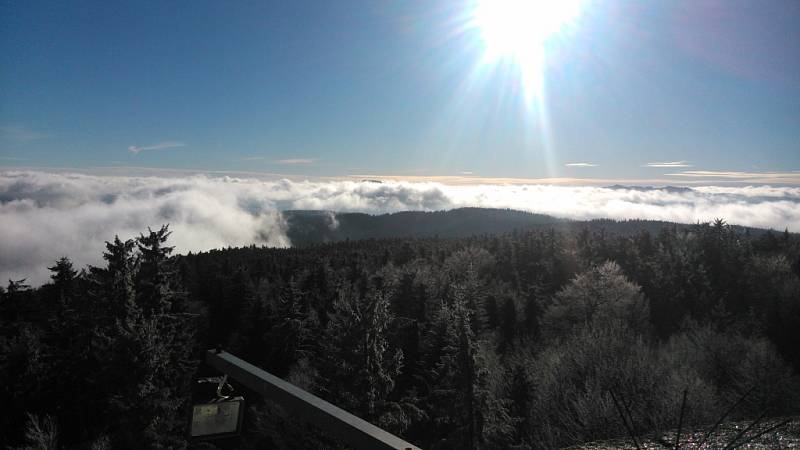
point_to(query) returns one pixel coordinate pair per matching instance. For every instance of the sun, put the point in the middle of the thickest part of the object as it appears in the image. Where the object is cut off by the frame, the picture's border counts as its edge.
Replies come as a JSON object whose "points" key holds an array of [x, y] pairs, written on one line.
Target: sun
{"points": [[518, 30]]}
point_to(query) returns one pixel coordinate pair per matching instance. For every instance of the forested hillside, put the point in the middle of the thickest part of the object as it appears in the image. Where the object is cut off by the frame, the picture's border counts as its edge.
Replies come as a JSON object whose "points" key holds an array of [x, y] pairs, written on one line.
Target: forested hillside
{"points": [[521, 340], [314, 227], [317, 227]]}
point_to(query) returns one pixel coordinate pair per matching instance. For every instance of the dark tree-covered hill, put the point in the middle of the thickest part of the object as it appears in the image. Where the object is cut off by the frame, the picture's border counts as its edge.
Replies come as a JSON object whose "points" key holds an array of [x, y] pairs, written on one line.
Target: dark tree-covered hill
{"points": [[307, 227]]}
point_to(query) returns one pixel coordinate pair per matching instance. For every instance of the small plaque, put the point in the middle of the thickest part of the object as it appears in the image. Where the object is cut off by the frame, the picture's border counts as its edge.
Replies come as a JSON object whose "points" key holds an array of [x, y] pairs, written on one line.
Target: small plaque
{"points": [[217, 419]]}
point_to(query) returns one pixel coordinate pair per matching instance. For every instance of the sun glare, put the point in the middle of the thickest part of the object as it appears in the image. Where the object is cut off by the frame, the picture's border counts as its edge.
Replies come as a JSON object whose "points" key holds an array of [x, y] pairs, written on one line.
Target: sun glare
{"points": [[518, 30]]}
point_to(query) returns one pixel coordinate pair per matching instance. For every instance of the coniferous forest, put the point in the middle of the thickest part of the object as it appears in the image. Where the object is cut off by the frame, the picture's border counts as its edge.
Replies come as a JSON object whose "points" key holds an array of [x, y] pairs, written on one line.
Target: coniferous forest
{"points": [[524, 339]]}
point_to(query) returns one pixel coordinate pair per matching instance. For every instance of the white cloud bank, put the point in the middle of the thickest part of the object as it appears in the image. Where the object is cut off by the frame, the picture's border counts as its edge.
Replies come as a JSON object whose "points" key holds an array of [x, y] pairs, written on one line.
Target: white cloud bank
{"points": [[44, 216]]}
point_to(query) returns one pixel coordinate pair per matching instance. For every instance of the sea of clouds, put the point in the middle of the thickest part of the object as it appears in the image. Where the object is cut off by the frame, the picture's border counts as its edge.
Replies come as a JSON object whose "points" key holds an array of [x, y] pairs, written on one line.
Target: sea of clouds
{"points": [[46, 215]]}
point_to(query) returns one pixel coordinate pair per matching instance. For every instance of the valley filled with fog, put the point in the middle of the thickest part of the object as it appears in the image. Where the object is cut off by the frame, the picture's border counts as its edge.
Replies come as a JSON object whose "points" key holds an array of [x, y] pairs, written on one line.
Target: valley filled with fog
{"points": [[46, 215]]}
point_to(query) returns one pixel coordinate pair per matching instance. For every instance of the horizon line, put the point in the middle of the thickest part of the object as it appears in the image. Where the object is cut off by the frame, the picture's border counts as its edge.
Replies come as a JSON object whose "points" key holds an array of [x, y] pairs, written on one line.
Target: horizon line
{"points": [[688, 178]]}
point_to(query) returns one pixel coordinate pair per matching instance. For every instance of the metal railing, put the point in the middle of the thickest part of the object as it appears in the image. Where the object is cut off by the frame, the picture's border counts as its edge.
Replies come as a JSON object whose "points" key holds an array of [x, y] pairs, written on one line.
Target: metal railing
{"points": [[332, 419]]}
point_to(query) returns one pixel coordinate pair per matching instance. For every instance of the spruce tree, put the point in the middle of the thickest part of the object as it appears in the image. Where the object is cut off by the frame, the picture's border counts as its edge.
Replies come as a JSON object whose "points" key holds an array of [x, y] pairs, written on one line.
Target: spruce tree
{"points": [[360, 364], [63, 277], [465, 409], [154, 289], [145, 347]]}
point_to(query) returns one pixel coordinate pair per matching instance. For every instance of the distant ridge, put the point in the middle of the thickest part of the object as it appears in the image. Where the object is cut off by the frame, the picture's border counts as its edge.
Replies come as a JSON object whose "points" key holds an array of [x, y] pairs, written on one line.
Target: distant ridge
{"points": [[308, 227]]}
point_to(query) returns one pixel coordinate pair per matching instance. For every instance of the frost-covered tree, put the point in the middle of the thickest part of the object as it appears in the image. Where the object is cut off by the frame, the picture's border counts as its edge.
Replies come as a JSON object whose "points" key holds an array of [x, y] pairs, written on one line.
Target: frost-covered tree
{"points": [[145, 347], [462, 400], [359, 363], [601, 295]]}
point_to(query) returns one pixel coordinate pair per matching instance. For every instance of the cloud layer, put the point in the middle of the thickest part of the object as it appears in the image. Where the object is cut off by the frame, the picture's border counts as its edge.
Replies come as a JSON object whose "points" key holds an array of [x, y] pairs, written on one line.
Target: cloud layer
{"points": [[44, 216], [745, 177]]}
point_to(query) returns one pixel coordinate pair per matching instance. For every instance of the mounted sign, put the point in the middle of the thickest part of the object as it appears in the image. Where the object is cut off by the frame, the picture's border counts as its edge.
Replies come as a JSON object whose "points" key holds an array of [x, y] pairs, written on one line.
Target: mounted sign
{"points": [[219, 417]]}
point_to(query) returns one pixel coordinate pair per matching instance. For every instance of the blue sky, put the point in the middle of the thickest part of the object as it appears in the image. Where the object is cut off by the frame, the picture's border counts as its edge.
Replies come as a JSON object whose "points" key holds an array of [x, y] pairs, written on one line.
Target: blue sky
{"points": [[398, 88]]}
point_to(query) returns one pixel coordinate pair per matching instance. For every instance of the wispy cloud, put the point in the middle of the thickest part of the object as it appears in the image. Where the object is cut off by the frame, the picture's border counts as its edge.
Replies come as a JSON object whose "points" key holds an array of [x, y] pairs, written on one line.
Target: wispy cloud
{"points": [[792, 177], [580, 164], [21, 134], [295, 161], [466, 172], [160, 146], [668, 164]]}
